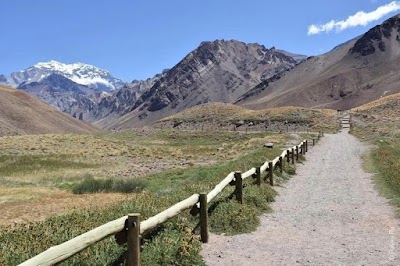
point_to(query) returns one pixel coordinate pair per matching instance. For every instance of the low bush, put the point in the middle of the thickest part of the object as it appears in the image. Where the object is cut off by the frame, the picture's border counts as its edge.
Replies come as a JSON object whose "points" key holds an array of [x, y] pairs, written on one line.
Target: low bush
{"points": [[92, 185], [174, 245], [23, 164], [234, 218], [259, 197]]}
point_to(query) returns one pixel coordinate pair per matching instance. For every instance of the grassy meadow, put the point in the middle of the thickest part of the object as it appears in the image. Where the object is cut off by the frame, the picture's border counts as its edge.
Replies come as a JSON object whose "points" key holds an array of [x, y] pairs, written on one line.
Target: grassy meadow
{"points": [[82, 181], [379, 124]]}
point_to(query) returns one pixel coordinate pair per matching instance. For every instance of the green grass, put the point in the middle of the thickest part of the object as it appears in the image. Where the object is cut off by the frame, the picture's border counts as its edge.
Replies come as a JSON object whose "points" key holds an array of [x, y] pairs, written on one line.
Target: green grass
{"points": [[24, 164], [384, 158], [386, 161], [91, 185], [173, 243]]}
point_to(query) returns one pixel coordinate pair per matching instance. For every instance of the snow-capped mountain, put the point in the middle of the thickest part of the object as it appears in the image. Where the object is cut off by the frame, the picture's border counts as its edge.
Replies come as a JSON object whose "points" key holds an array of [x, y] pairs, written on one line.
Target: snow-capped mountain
{"points": [[3, 79], [79, 73]]}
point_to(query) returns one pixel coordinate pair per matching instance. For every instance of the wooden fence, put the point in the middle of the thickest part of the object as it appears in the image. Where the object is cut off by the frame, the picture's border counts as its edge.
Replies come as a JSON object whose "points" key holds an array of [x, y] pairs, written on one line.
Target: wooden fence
{"points": [[129, 228]]}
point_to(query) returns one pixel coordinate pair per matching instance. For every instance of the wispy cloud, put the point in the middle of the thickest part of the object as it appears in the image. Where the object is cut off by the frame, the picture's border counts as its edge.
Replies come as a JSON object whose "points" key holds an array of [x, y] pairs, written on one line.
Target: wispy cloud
{"points": [[360, 18]]}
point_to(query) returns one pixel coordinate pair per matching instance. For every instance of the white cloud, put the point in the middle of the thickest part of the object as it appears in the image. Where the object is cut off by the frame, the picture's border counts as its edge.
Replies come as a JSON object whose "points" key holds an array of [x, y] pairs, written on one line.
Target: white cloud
{"points": [[360, 18]]}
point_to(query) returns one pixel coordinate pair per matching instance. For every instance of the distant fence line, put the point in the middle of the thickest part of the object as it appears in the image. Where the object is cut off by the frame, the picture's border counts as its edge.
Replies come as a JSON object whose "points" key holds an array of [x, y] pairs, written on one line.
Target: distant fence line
{"points": [[129, 228], [241, 127]]}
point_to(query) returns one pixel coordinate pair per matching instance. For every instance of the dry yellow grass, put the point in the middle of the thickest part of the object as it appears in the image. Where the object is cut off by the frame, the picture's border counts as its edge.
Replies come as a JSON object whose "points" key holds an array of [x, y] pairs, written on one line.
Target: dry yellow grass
{"points": [[394, 98], [230, 112], [380, 118], [25, 205], [34, 192]]}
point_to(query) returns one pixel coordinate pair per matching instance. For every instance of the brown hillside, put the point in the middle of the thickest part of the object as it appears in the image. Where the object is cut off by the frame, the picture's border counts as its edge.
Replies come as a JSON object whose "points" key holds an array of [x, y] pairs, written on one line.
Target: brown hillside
{"points": [[22, 114], [355, 73], [218, 71]]}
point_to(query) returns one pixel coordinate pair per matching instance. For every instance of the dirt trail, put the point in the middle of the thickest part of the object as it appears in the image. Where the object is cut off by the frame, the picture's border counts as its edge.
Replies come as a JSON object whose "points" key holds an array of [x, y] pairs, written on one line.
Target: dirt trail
{"points": [[328, 214]]}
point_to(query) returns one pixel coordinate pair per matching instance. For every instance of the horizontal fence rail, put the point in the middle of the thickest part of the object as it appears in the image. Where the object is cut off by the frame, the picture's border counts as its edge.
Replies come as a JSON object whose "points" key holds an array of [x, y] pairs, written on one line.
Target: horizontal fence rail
{"points": [[127, 229]]}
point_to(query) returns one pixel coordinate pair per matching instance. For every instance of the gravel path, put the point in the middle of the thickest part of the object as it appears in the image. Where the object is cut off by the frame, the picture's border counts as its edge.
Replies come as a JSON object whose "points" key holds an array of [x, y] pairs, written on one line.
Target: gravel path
{"points": [[328, 214]]}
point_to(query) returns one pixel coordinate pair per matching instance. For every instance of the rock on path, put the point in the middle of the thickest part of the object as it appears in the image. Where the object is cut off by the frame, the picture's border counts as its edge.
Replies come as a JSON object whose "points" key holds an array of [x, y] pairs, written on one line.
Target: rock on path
{"points": [[328, 214]]}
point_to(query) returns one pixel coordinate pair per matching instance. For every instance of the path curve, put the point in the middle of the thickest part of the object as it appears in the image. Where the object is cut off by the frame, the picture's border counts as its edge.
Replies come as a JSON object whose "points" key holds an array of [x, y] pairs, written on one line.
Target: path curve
{"points": [[328, 214]]}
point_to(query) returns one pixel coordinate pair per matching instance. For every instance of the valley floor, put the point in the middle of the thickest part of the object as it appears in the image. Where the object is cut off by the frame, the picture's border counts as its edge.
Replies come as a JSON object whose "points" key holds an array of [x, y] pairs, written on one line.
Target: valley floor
{"points": [[328, 214]]}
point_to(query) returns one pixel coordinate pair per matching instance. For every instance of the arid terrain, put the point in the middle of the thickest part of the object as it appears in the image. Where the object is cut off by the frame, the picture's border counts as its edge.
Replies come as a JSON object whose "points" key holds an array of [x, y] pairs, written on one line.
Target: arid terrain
{"points": [[80, 147], [353, 73]]}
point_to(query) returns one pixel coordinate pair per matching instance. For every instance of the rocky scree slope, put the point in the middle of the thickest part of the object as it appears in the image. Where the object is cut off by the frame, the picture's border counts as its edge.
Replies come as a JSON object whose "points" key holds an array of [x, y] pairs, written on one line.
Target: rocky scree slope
{"points": [[352, 74], [218, 71]]}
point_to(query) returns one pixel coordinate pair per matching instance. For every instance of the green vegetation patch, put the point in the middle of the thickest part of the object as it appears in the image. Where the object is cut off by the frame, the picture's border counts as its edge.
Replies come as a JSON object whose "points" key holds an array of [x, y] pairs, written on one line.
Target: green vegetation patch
{"points": [[386, 159], [92, 185], [24, 164]]}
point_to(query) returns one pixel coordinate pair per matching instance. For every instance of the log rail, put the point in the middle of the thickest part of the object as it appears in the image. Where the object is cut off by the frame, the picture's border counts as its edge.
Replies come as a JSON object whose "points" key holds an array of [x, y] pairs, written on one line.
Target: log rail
{"points": [[128, 229]]}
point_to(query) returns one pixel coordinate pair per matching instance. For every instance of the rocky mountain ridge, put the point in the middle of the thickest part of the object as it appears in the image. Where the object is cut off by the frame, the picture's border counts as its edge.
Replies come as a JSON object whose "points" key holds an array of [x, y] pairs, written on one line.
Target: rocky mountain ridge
{"points": [[354, 73], [114, 105], [218, 71]]}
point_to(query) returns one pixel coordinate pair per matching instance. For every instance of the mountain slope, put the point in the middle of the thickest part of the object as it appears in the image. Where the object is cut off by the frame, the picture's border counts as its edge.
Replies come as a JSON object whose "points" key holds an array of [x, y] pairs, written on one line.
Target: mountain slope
{"points": [[218, 71], [118, 103], [352, 74], [21, 113]]}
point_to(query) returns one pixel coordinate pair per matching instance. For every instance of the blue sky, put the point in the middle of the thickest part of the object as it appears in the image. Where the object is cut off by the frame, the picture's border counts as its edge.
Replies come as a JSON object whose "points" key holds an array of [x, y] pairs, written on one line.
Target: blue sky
{"points": [[137, 39]]}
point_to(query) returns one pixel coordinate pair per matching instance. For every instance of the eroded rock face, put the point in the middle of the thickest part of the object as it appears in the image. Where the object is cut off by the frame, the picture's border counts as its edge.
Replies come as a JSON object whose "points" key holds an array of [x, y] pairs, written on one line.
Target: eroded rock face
{"points": [[3, 79], [218, 71], [57, 91], [120, 102], [374, 39]]}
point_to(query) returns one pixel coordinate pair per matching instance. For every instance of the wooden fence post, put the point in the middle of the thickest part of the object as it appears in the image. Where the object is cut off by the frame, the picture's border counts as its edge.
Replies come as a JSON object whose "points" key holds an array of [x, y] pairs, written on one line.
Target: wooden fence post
{"points": [[288, 155], [133, 254], [258, 176], [292, 155], [239, 187], [271, 173], [306, 145], [281, 164], [203, 218], [297, 153]]}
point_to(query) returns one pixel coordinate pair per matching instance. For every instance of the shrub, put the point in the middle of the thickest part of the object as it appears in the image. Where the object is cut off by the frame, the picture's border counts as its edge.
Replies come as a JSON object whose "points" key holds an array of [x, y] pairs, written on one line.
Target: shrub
{"points": [[234, 218], [290, 169], [175, 245], [92, 185], [259, 197]]}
